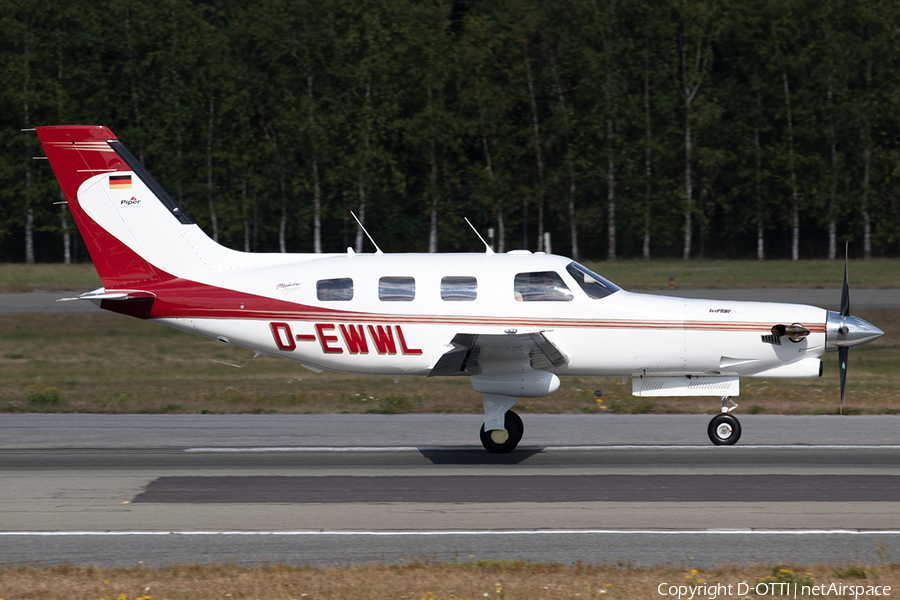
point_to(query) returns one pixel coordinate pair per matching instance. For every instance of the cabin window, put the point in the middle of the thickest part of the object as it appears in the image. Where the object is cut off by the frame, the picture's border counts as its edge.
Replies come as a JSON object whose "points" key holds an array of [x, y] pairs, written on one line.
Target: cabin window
{"points": [[459, 289], [334, 290], [541, 286], [397, 289], [593, 285]]}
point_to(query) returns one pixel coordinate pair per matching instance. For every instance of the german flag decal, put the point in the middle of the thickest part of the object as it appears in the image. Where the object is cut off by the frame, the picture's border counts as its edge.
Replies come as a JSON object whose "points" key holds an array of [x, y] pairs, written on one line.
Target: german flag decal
{"points": [[119, 182]]}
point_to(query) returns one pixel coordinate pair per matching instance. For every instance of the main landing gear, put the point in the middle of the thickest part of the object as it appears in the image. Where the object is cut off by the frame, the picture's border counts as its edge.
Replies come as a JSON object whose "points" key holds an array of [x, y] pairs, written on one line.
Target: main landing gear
{"points": [[724, 429], [502, 430], [501, 441]]}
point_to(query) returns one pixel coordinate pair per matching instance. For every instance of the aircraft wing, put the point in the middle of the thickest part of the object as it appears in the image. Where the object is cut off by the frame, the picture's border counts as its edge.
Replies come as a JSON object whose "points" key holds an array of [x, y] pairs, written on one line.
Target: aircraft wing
{"points": [[472, 353]]}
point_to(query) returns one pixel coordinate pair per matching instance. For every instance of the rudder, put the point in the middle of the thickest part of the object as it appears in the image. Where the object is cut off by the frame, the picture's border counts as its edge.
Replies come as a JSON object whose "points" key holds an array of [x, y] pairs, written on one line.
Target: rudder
{"points": [[134, 230]]}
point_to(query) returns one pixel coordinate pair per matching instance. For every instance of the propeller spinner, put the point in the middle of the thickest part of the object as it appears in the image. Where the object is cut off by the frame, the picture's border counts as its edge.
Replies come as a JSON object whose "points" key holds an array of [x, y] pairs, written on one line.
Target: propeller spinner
{"points": [[843, 332]]}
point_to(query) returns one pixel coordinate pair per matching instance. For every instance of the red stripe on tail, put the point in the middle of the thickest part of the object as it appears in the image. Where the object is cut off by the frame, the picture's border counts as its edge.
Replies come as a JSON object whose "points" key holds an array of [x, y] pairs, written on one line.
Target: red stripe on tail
{"points": [[77, 153]]}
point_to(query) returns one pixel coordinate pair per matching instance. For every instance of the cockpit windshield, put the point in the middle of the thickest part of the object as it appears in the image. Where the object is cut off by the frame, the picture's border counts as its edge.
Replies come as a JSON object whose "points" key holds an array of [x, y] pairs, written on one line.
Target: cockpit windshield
{"points": [[593, 285]]}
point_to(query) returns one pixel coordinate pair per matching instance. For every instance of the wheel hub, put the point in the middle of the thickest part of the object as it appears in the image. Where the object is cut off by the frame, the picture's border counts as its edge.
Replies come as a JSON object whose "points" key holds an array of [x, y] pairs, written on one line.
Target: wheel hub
{"points": [[724, 431], [499, 436]]}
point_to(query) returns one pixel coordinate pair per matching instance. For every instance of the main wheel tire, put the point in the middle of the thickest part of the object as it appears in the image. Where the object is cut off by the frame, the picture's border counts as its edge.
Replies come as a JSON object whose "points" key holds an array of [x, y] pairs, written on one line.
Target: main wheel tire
{"points": [[724, 430], [502, 441]]}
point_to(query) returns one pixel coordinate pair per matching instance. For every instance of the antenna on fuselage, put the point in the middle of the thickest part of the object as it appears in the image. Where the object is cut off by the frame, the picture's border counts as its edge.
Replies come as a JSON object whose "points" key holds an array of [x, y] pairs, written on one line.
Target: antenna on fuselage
{"points": [[487, 248], [377, 249]]}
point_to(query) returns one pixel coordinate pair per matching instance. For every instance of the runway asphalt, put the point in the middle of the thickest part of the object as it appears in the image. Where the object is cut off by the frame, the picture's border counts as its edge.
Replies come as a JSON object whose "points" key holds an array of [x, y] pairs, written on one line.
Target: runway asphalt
{"points": [[340, 489]]}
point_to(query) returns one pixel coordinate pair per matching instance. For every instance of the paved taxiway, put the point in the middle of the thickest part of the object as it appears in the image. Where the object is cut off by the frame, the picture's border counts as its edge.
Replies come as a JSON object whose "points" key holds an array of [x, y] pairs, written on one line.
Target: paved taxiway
{"points": [[327, 489]]}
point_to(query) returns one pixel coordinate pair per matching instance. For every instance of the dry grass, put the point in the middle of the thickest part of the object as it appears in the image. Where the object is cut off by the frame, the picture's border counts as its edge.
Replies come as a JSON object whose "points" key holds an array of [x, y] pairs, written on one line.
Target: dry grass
{"points": [[418, 580], [636, 274], [109, 363], [17, 277]]}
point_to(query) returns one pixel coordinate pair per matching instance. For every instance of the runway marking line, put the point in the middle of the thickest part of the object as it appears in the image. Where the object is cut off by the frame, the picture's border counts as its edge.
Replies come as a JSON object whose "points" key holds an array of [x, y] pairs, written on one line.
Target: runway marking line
{"points": [[792, 532], [546, 448]]}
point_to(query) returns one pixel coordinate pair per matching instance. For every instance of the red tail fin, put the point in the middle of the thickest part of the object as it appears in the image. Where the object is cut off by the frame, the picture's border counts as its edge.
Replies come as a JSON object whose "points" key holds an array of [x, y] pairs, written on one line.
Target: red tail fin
{"points": [[77, 153]]}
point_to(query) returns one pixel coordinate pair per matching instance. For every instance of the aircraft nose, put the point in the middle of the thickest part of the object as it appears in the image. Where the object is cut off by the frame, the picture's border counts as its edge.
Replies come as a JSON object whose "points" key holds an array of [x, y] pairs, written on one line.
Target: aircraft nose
{"points": [[848, 332]]}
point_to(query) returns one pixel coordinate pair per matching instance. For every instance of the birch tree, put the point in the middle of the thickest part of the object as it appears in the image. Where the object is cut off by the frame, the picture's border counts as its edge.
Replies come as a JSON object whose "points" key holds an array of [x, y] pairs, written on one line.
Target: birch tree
{"points": [[697, 26]]}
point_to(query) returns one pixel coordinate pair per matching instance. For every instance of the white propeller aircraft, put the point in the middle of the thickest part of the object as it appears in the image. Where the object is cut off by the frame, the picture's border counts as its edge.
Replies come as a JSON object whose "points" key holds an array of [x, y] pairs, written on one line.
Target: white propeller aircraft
{"points": [[512, 323]]}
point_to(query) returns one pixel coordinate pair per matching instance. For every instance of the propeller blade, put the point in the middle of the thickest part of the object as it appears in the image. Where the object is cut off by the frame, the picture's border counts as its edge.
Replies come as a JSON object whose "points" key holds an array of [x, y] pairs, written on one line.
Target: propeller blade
{"points": [[845, 292], [843, 353]]}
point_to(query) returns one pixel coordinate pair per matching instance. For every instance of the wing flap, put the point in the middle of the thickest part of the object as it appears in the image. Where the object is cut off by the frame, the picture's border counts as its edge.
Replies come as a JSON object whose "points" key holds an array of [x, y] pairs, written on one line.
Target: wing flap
{"points": [[472, 354]]}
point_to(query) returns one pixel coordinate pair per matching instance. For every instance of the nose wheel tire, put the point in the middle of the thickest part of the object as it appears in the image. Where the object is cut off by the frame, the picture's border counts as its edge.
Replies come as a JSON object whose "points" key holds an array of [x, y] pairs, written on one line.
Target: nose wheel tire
{"points": [[724, 430], [501, 441]]}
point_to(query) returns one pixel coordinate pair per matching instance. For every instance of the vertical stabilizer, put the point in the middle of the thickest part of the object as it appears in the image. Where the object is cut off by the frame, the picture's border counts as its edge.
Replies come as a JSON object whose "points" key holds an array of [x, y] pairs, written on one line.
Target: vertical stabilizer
{"points": [[134, 230]]}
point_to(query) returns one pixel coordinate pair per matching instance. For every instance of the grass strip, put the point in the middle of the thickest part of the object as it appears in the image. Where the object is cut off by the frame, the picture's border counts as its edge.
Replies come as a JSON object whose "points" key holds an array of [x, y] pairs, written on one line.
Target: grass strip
{"points": [[426, 580], [631, 274]]}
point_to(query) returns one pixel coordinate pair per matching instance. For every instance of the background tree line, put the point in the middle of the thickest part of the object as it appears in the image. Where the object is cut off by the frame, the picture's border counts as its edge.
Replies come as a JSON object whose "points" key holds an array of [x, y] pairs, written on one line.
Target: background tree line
{"points": [[663, 128]]}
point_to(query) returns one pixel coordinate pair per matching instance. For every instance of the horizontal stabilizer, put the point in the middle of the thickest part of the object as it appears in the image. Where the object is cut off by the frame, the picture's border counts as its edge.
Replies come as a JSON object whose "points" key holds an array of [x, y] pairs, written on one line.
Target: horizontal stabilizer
{"points": [[102, 294]]}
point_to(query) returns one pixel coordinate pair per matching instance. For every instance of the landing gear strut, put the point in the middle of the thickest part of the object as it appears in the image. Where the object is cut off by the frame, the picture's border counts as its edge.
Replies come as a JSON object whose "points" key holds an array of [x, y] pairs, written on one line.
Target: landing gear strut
{"points": [[724, 429], [501, 441]]}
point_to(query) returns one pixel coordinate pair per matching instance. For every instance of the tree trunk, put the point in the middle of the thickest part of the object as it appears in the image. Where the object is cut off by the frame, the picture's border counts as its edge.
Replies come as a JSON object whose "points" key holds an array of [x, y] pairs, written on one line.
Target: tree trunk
{"points": [[63, 217], [134, 96], [867, 224], [176, 122], [537, 149], [688, 183], [214, 221], [317, 191], [29, 209], [692, 71], [432, 234], [67, 237], [570, 168], [358, 244], [433, 231], [867, 155], [795, 208], [760, 247], [282, 225], [501, 228], [610, 196], [244, 217], [647, 196], [832, 205]]}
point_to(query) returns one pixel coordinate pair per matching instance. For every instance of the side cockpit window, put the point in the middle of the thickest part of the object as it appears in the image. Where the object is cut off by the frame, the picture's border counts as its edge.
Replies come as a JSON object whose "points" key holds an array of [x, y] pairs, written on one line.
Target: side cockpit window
{"points": [[459, 289], [334, 290], [541, 286], [593, 285], [397, 289]]}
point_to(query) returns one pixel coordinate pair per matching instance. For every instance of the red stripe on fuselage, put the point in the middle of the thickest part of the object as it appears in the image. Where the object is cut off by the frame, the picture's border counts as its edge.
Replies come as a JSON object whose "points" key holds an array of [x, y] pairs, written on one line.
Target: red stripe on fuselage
{"points": [[182, 298]]}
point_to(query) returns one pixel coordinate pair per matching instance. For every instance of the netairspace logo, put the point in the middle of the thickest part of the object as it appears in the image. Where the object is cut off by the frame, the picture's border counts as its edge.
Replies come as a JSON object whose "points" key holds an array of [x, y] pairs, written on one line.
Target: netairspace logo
{"points": [[782, 589]]}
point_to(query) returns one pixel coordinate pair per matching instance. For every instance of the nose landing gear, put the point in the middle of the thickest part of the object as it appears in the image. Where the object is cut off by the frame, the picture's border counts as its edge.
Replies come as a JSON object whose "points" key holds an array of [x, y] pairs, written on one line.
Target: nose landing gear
{"points": [[724, 429]]}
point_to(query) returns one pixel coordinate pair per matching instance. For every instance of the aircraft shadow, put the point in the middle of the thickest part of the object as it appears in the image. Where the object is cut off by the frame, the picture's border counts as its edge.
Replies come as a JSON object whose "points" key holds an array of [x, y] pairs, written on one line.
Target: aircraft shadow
{"points": [[478, 456]]}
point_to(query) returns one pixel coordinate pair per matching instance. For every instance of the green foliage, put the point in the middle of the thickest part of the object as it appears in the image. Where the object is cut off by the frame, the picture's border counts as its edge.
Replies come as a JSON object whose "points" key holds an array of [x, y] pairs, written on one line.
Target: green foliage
{"points": [[269, 121], [44, 398], [784, 574], [850, 573]]}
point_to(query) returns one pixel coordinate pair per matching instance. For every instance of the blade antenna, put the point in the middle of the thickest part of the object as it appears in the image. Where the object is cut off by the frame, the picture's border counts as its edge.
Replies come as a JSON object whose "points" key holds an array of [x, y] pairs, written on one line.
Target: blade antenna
{"points": [[487, 248], [358, 222]]}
